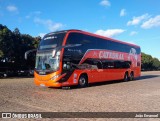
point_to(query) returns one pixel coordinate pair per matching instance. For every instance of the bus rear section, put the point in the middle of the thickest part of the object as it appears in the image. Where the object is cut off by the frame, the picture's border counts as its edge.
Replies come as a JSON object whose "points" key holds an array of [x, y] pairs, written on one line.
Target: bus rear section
{"points": [[76, 57]]}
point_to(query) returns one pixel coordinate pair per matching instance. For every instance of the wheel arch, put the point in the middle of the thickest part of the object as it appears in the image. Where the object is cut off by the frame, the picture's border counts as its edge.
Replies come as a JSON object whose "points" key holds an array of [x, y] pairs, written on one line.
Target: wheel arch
{"points": [[82, 85], [85, 74]]}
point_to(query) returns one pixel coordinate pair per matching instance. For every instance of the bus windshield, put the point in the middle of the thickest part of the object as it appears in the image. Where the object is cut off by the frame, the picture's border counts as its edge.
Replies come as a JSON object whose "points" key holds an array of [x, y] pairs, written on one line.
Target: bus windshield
{"points": [[51, 41], [47, 62]]}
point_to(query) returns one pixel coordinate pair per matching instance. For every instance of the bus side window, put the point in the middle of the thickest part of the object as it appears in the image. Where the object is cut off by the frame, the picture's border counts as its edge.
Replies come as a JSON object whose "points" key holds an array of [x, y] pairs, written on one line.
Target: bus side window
{"points": [[118, 64], [111, 65], [108, 64], [92, 63], [74, 38], [99, 65], [105, 66], [126, 64]]}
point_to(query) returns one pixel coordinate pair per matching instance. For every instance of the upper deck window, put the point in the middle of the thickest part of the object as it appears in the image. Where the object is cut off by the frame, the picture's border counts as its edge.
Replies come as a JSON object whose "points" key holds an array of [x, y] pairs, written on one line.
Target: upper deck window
{"points": [[51, 41]]}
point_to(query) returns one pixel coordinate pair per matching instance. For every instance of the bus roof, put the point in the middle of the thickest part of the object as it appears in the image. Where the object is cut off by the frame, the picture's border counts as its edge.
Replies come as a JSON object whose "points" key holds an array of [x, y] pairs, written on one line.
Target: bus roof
{"points": [[92, 34]]}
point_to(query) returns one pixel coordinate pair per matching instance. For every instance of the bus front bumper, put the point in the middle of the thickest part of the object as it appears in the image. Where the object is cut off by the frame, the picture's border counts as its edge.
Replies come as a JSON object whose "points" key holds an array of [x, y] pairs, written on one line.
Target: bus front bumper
{"points": [[49, 83], [50, 80]]}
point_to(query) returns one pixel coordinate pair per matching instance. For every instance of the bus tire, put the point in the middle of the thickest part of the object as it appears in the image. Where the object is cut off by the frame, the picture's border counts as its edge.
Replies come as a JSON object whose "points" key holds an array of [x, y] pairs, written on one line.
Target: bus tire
{"points": [[125, 79], [83, 81], [131, 77]]}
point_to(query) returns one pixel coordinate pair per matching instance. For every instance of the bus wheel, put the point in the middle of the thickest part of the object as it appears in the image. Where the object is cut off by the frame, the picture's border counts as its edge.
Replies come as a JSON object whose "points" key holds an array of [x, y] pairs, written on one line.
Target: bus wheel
{"points": [[82, 82], [125, 77], [131, 78]]}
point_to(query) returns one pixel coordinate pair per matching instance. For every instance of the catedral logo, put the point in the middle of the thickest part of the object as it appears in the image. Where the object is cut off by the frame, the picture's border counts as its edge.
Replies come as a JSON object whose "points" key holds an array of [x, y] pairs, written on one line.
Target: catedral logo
{"points": [[111, 55]]}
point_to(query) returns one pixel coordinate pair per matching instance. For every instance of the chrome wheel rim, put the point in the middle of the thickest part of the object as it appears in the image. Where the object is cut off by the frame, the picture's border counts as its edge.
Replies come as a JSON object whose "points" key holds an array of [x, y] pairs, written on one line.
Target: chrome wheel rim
{"points": [[82, 81]]}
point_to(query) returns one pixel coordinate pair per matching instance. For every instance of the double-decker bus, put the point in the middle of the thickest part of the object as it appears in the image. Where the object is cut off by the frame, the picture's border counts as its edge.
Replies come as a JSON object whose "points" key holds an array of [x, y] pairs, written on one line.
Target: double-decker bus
{"points": [[75, 57]]}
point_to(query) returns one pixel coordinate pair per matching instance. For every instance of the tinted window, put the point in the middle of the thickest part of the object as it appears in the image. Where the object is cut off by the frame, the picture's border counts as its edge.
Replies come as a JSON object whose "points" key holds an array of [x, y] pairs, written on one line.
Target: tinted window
{"points": [[87, 42], [51, 41], [108, 64], [95, 43], [74, 38], [95, 64], [122, 64], [91, 42], [115, 46]]}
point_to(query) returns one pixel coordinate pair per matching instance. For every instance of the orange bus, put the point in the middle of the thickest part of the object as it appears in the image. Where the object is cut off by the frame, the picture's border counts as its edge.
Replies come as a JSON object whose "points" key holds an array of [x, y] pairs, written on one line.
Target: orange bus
{"points": [[75, 57]]}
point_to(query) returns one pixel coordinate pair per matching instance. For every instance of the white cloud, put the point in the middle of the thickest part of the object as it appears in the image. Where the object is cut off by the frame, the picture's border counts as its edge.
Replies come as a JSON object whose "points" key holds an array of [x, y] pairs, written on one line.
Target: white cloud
{"points": [[33, 14], [123, 12], [138, 20], [42, 34], [109, 32], [152, 22], [12, 8], [49, 24], [133, 33], [105, 3]]}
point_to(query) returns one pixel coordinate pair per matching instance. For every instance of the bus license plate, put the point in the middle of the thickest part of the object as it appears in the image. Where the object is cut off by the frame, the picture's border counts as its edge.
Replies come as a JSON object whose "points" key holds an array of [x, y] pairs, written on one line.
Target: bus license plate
{"points": [[42, 85]]}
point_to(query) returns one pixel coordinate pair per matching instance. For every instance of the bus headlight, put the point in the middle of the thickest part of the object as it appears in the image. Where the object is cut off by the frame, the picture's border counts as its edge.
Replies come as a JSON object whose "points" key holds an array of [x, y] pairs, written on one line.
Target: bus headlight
{"points": [[55, 77], [58, 53]]}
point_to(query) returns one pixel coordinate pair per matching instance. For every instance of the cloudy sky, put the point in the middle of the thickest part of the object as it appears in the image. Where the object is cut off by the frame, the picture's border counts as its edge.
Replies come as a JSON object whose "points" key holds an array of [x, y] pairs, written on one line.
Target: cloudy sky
{"points": [[134, 21]]}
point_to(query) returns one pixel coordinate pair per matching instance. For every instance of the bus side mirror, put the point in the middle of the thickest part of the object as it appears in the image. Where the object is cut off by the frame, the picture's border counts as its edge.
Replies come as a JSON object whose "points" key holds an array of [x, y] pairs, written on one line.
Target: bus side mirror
{"points": [[27, 52], [53, 53]]}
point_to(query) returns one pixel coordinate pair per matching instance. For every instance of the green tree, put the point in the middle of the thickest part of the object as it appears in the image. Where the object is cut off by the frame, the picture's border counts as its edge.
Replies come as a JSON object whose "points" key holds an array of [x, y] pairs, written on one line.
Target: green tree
{"points": [[36, 41], [156, 64], [13, 45], [1, 53], [6, 43], [149, 63]]}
